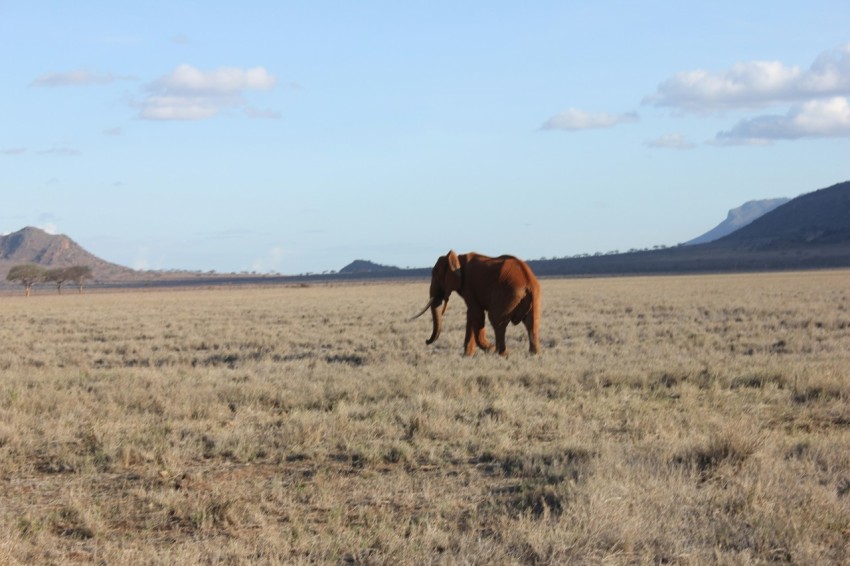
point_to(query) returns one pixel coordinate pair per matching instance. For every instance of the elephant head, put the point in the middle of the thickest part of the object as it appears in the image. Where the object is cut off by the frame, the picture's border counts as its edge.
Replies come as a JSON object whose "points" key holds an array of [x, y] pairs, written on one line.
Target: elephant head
{"points": [[446, 276]]}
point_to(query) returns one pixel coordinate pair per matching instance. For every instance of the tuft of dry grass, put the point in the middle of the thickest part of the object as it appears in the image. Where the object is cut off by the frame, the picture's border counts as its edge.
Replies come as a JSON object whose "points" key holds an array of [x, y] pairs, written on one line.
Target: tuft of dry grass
{"points": [[686, 420]]}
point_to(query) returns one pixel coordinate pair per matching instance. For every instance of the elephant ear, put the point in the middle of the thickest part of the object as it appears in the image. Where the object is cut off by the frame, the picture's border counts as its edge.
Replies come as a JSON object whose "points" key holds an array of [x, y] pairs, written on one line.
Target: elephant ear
{"points": [[454, 274], [454, 261]]}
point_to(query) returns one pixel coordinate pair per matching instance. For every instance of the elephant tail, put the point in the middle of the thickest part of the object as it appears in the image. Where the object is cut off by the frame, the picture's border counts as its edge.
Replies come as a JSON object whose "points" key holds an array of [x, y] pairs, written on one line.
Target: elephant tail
{"points": [[529, 306]]}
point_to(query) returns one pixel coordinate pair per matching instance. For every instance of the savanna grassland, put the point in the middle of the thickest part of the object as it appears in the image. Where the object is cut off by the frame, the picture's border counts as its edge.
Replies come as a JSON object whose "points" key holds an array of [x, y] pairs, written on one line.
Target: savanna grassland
{"points": [[678, 420]]}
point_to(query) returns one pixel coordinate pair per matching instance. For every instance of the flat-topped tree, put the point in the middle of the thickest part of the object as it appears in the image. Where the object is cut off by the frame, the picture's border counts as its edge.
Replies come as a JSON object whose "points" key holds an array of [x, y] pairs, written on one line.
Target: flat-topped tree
{"points": [[27, 274], [57, 275], [79, 274]]}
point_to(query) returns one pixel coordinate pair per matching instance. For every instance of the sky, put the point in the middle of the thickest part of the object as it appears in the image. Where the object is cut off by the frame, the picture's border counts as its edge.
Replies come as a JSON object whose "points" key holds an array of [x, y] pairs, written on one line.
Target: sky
{"points": [[295, 137]]}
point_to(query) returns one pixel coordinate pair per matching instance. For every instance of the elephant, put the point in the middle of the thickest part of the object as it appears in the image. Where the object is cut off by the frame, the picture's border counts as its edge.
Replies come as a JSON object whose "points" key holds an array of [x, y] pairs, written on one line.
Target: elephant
{"points": [[504, 287]]}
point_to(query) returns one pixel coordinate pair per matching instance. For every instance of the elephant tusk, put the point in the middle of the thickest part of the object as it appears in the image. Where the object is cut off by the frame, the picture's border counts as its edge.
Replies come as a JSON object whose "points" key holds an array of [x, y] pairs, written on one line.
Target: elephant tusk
{"points": [[428, 306]]}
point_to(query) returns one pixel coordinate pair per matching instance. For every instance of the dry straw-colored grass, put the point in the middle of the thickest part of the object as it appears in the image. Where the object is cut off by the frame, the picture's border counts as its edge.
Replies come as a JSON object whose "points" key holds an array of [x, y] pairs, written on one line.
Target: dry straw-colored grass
{"points": [[685, 420]]}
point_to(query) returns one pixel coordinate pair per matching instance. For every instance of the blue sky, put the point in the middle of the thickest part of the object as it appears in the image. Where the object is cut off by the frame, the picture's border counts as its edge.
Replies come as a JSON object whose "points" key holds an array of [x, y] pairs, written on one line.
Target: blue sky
{"points": [[296, 137]]}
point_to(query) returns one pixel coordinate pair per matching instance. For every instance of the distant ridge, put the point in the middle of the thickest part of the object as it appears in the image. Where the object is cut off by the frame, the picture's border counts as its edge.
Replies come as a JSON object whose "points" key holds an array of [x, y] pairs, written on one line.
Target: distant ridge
{"points": [[33, 245], [738, 218], [365, 266], [817, 218], [811, 231]]}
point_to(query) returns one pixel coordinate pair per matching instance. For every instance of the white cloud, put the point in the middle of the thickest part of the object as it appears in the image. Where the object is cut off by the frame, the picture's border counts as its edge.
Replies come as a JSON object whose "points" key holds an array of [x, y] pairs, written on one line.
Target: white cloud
{"points": [[574, 120], [47, 222], [670, 141], [142, 260], [189, 80], [756, 84], [13, 151], [272, 262], [188, 93], [77, 78], [813, 119], [181, 107]]}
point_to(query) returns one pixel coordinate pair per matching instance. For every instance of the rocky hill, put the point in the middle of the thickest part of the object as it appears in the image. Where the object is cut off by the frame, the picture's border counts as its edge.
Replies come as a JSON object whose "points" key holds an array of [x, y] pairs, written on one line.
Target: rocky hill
{"points": [[811, 231], [364, 266], [819, 218], [33, 245], [738, 218]]}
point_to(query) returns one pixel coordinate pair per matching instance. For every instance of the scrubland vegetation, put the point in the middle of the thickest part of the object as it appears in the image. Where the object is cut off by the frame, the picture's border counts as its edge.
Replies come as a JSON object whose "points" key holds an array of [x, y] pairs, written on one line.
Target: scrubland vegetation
{"points": [[678, 420]]}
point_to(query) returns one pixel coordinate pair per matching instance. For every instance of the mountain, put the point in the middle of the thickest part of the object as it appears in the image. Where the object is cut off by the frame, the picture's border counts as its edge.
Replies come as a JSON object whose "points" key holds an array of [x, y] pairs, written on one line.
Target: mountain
{"points": [[738, 218], [364, 266], [811, 231], [33, 245], [819, 218]]}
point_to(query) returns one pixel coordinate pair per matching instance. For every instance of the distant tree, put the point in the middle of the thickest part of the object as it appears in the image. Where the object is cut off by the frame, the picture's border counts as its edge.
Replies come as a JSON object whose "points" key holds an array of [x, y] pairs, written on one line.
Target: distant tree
{"points": [[27, 274], [57, 275], [78, 274]]}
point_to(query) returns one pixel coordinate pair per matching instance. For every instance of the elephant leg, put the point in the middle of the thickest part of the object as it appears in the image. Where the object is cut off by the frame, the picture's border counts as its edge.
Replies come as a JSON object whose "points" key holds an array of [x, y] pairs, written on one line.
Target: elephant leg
{"points": [[479, 330], [500, 328], [476, 332], [481, 338], [469, 339], [532, 324]]}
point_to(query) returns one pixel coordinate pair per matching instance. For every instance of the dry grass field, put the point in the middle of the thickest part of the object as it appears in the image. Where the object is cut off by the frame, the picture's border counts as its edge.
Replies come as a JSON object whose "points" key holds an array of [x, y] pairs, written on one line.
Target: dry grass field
{"points": [[668, 420]]}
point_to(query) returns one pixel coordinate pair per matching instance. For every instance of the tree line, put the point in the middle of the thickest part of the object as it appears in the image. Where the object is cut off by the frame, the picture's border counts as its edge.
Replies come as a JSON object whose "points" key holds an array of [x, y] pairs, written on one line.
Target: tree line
{"points": [[29, 274]]}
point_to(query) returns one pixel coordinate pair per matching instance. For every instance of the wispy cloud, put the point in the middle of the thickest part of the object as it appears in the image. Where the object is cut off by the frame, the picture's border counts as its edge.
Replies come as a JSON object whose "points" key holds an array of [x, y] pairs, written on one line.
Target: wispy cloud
{"points": [[814, 119], [48, 221], [186, 79], [61, 151], [142, 261], [670, 141], [272, 262], [756, 84], [575, 120], [77, 78], [188, 93]]}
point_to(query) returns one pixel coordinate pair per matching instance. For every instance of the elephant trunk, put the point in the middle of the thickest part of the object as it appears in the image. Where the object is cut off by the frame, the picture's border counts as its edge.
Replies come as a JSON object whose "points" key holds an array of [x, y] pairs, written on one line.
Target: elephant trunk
{"points": [[437, 317]]}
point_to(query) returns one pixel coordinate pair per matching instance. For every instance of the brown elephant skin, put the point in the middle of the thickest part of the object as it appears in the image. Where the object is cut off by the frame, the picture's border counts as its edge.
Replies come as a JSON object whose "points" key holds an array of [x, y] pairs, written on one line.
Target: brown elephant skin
{"points": [[503, 287]]}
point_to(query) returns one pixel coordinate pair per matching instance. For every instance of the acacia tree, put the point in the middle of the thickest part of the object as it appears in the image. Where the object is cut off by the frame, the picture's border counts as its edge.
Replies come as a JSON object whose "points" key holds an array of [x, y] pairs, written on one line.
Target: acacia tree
{"points": [[27, 274], [57, 275], [78, 274]]}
